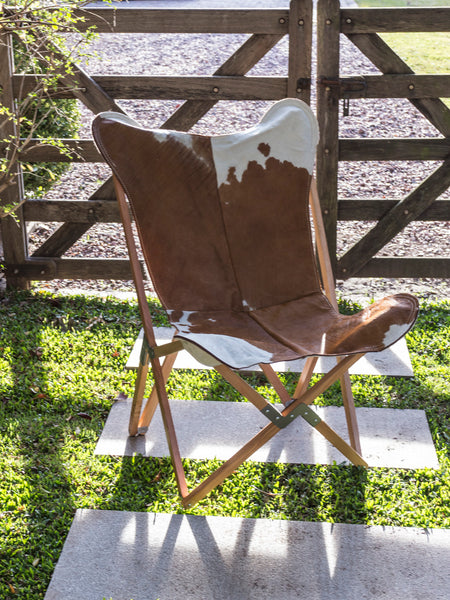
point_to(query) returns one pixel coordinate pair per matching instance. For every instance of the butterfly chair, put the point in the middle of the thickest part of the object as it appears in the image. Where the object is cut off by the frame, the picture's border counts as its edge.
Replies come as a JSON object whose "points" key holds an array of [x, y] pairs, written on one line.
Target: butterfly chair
{"points": [[224, 227]]}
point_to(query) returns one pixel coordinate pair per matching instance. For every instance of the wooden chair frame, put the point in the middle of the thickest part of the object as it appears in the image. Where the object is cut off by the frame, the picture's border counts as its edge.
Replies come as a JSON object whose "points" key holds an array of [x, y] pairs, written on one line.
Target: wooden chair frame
{"points": [[298, 405]]}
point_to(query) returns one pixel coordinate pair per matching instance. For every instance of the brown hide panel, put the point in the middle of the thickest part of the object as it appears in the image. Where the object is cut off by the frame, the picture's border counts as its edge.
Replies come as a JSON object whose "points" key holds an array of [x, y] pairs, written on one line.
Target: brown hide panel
{"points": [[170, 181], [311, 326], [266, 217], [235, 265]]}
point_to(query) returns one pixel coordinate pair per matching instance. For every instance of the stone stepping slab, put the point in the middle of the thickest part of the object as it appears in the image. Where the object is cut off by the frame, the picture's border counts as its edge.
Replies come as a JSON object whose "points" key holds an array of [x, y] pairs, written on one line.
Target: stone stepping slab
{"points": [[393, 361], [147, 556], [392, 438]]}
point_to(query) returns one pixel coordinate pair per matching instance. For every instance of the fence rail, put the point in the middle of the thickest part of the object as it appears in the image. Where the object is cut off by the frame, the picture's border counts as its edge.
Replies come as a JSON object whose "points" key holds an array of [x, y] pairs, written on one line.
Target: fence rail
{"points": [[263, 29], [397, 80]]}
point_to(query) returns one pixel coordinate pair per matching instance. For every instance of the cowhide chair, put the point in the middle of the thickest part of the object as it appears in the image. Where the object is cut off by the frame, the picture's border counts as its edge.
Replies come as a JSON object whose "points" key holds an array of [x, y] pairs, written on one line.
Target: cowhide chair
{"points": [[224, 226]]}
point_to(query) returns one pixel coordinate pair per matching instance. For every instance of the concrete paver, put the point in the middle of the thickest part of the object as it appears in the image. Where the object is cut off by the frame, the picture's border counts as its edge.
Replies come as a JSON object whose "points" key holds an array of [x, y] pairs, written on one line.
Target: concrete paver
{"points": [[147, 556], [213, 429]]}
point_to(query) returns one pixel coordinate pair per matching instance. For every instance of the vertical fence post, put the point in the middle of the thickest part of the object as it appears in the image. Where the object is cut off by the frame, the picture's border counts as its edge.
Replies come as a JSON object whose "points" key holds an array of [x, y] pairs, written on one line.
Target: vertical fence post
{"points": [[12, 227], [300, 45], [328, 28]]}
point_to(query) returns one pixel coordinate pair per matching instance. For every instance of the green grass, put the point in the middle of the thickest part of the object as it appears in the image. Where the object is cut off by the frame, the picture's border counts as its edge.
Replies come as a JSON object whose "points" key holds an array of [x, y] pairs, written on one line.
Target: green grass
{"points": [[61, 366], [424, 52]]}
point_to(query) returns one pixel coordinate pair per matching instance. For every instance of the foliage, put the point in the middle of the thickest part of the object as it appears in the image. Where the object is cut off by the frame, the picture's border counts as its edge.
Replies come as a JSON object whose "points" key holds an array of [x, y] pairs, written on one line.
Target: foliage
{"points": [[61, 366], [47, 41]]}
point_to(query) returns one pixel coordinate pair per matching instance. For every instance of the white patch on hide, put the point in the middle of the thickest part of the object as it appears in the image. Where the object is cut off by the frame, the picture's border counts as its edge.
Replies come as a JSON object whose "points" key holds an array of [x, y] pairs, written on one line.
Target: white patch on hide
{"points": [[289, 128], [394, 333], [235, 352], [161, 135], [119, 118], [182, 323]]}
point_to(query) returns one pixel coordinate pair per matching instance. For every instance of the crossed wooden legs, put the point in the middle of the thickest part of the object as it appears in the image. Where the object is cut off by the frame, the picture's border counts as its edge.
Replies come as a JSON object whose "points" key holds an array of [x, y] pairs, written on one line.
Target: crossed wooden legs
{"points": [[293, 407]]}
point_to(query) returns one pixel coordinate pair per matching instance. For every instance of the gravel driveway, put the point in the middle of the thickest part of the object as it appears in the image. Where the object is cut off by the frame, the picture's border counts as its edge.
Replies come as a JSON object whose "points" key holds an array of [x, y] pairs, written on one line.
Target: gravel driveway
{"points": [[154, 54]]}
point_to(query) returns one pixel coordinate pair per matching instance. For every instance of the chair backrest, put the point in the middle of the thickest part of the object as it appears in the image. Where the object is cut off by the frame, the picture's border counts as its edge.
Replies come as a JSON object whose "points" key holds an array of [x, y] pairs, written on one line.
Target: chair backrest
{"points": [[223, 220]]}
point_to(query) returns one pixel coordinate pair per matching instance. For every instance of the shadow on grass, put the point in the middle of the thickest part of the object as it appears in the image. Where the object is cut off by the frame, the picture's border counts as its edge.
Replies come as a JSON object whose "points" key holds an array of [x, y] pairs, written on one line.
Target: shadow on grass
{"points": [[48, 409], [47, 446], [41, 505]]}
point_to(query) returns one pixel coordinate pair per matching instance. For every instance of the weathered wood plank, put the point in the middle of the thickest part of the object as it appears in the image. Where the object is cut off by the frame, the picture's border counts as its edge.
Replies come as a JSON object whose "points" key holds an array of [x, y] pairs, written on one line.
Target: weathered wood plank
{"points": [[328, 116], [75, 211], [395, 220], [73, 268], [66, 235], [356, 209], [349, 149], [13, 230], [395, 86], [300, 48], [381, 20], [40, 269], [394, 149], [106, 211], [241, 61], [77, 151], [173, 88], [153, 20], [393, 267], [385, 59]]}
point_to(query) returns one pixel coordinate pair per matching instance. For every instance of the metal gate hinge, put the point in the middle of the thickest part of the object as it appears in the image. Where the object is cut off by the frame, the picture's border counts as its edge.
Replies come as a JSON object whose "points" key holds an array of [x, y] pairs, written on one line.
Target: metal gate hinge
{"points": [[328, 82], [303, 84], [346, 107]]}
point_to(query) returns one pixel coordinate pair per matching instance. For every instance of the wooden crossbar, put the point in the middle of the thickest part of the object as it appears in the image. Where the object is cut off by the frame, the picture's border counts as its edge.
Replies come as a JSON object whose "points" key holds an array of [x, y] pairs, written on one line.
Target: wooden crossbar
{"points": [[268, 432]]}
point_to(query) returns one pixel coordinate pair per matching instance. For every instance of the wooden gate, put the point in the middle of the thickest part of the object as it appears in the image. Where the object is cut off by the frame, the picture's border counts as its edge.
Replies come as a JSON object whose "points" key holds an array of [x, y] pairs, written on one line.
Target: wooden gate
{"points": [[361, 27], [266, 28]]}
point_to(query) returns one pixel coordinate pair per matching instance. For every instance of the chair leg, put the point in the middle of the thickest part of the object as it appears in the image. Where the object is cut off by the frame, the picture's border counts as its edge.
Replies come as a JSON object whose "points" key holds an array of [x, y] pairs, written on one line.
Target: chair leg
{"points": [[265, 435], [347, 396], [335, 439], [152, 402], [350, 413], [305, 376], [150, 337], [268, 432], [169, 428], [138, 396], [329, 285], [275, 382], [271, 429]]}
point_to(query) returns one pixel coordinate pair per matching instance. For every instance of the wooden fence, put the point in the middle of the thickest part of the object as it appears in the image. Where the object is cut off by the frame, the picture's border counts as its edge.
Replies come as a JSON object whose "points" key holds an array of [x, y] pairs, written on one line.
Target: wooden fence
{"points": [[266, 27], [397, 80]]}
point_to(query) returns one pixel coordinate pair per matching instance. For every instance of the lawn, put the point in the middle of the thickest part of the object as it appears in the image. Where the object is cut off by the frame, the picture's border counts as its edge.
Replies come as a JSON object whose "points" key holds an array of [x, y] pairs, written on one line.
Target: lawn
{"points": [[425, 53], [61, 366]]}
